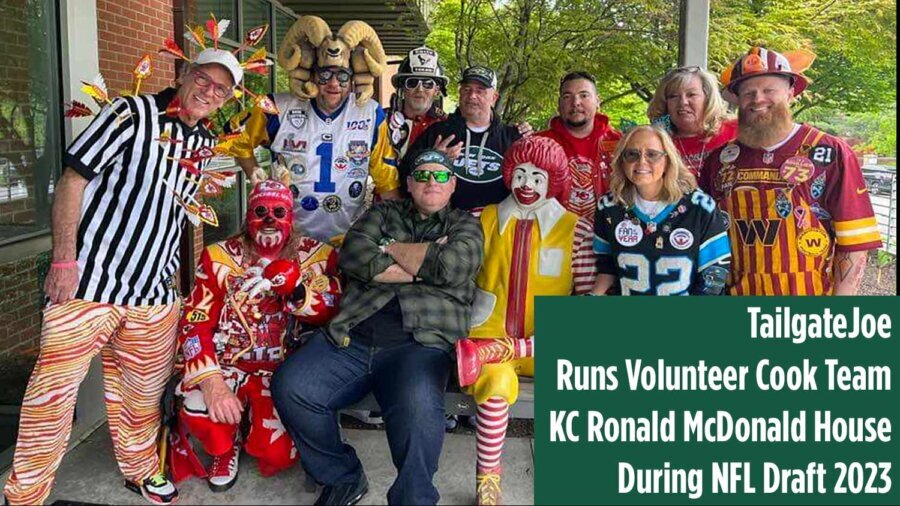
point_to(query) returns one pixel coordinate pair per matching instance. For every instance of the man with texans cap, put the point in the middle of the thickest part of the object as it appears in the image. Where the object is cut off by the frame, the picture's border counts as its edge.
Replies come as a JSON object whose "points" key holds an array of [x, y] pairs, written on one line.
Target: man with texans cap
{"points": [[415, 105], [232, 337], [801, 218]]}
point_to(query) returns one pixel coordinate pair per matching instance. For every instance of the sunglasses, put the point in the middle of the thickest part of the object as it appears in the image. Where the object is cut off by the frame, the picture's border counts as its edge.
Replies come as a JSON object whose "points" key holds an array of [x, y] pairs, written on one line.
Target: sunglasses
{"points": [[203, 80], [325, 75], [634, 155], [440, 176], [689, 69], [412, 83], [263, 211]]}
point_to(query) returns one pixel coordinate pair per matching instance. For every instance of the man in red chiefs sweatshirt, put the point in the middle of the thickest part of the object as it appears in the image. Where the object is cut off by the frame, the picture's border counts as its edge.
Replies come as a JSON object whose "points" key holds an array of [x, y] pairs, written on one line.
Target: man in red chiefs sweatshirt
{"points": [[587, 139]]}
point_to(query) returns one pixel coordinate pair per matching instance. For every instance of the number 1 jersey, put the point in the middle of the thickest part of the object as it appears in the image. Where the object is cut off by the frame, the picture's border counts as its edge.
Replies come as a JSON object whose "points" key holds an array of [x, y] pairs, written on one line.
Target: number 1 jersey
{"points": [[329, 156]]}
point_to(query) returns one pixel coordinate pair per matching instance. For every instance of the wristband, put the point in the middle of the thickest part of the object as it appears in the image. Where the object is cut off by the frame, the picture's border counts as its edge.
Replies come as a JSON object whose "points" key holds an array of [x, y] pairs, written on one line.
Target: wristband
{"points": [[64, 265]]}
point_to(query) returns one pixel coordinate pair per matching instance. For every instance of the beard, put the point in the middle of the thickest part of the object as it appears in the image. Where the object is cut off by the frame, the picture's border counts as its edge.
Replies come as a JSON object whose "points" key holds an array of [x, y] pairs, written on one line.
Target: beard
{"points": [[575, 124], [767, 129]]}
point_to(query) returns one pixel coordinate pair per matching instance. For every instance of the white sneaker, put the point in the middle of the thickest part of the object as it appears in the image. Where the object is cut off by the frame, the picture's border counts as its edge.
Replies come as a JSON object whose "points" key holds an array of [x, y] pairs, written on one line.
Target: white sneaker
{"points": [[223, 470], [365, 416]]}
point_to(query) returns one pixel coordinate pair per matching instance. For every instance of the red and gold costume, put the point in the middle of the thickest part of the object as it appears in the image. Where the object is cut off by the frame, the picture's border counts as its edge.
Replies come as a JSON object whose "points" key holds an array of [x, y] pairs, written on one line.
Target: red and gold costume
{"points": [[239, 334], [532, 246], [590, 160]]}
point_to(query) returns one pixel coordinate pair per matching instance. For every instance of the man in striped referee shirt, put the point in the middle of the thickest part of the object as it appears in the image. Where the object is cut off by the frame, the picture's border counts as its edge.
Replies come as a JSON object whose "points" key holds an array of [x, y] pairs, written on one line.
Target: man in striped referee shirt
{"points": [[116, 227]]}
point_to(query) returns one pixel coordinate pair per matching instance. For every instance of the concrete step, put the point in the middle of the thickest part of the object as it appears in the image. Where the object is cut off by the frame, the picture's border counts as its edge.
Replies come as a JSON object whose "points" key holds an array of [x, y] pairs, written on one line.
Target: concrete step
{"points": [[89, 474]]}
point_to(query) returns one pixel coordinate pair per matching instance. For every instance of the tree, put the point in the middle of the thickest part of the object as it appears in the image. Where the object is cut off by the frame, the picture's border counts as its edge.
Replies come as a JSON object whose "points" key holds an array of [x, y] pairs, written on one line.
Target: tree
{"points": [[630, 44]]}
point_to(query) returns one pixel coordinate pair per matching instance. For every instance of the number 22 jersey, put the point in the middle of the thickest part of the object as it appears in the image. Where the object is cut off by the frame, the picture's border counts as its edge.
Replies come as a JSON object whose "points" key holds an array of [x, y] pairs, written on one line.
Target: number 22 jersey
{"points": [[665, 255]]}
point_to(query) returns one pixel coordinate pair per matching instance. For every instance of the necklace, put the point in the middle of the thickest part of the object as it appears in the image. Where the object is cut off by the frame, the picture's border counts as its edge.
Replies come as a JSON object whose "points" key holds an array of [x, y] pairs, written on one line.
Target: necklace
{"points": [[693, 165]]}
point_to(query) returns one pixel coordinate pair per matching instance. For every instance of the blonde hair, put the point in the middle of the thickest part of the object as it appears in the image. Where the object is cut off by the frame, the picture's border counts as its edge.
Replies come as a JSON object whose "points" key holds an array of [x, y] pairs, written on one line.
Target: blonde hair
{"points": [[715, 110], [677, 179]]}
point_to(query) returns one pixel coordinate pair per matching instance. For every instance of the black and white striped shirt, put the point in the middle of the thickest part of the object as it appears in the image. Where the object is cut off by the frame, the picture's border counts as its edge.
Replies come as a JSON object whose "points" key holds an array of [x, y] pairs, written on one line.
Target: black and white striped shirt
{"points": [[131, 224]]}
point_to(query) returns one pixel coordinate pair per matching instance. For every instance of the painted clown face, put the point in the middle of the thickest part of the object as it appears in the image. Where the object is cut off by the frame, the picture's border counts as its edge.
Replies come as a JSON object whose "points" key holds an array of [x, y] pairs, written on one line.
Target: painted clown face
{"points": [[270, 217], [529, 185]]}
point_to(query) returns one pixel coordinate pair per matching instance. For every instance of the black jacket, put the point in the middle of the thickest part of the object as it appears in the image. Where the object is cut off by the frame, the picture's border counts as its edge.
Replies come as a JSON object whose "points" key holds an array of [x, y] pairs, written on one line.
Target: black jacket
{"points": [[477, 184]]}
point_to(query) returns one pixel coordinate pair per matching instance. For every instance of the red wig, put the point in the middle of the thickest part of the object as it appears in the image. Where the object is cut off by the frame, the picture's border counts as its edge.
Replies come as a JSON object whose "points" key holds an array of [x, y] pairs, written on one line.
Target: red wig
{"points": [[546, 154]]}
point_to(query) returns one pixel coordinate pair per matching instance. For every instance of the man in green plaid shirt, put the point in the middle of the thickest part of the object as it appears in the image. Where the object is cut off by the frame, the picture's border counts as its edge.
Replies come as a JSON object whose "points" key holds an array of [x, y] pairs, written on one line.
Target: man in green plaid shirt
{"points": [[411, 268]]}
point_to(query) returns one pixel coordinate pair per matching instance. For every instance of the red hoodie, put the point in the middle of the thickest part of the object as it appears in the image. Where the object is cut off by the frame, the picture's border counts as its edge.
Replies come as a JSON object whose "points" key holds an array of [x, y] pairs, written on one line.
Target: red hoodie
{"points": [[590, 160]]}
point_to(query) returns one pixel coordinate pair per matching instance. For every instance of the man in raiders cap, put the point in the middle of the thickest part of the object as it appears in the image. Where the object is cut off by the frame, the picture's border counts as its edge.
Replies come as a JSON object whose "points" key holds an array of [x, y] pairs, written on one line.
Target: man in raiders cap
{"points": [[415, 105]]}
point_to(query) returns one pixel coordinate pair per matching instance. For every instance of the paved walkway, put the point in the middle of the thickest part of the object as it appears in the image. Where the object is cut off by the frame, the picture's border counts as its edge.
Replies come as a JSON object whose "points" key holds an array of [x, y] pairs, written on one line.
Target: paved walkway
{"points": [[89, 474]]}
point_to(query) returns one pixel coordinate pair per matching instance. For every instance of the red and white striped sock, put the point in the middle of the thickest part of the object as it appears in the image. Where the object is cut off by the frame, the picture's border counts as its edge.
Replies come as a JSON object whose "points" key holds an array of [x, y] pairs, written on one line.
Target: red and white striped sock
{"points": [[491, 421], [524, 347]]}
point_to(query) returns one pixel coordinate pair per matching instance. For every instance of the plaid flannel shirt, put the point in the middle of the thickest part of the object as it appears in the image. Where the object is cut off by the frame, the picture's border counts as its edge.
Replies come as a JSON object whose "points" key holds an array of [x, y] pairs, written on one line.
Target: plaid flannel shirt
{"points": [[438, 308]]}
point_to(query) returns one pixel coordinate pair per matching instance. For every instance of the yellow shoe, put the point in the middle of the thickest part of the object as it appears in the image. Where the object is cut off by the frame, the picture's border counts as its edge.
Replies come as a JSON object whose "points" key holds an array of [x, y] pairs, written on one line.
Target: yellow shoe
{"points": [[487, 487]]}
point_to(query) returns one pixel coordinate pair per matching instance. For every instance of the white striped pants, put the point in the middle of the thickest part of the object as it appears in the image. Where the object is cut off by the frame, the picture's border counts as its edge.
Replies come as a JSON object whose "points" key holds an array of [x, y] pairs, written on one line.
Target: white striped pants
{"points": [[137, 346]]}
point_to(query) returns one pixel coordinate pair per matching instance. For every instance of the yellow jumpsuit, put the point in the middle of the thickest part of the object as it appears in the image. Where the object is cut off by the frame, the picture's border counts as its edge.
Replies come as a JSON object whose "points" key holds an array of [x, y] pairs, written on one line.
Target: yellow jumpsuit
{"points": [[518, 264]]}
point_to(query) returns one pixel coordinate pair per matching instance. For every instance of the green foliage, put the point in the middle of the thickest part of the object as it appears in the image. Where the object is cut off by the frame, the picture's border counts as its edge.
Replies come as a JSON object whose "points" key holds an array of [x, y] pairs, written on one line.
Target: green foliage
{"points": [[867, 132], [630, 44]]}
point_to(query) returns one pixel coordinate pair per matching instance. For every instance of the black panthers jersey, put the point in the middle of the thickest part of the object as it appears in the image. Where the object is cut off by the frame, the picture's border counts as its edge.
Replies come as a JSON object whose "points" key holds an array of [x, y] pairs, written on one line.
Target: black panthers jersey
{"points": [[683, 250]]}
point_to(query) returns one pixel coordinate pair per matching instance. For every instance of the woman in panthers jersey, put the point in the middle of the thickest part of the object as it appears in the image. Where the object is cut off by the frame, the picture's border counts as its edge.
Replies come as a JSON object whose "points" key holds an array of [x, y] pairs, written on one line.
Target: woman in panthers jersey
{"points": [[654, 231]]}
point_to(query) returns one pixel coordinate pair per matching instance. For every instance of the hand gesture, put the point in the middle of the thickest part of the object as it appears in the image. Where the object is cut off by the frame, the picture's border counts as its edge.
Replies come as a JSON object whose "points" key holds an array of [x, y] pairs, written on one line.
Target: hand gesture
{"points": [[443, 145], [525, 129]]}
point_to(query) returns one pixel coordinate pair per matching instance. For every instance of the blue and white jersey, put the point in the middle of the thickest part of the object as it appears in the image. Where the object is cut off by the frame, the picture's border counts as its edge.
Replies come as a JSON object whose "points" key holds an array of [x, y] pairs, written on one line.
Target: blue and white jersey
{"points": [[330, 157], [683, 250]]}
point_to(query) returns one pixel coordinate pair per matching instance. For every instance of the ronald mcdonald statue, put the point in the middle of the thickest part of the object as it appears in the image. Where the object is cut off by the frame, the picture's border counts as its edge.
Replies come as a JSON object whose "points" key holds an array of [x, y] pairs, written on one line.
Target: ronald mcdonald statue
{"points": [[532, 246]]}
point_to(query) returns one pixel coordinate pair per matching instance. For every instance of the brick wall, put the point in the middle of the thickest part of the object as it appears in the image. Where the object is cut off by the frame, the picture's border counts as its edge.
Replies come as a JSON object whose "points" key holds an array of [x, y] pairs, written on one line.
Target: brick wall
{"points": [[129, 29], [20, 305]]}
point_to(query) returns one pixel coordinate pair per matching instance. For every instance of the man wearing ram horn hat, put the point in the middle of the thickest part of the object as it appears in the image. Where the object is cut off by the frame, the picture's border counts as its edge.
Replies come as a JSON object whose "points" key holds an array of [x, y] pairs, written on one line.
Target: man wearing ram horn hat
{"points": [[324, 144]]}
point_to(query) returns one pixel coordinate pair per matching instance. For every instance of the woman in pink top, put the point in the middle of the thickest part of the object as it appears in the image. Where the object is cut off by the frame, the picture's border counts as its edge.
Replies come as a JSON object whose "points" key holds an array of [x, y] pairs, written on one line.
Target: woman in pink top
{"points": [[688, 102]]}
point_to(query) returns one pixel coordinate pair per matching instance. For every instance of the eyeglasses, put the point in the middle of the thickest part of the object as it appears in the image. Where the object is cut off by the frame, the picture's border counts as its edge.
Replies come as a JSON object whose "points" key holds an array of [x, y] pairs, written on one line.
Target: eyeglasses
{"points": [[689, 69], [412, 83], [325, 75], [263, 211], [440, 176], [634, 155], [203, 80]]}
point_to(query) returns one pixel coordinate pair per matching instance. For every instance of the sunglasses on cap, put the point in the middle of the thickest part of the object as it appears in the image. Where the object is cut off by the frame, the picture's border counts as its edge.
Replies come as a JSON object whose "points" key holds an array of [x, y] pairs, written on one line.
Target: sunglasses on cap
{"points": [[634, 155], [440, 176], [412, 83], [263, 211], [324, 75]]}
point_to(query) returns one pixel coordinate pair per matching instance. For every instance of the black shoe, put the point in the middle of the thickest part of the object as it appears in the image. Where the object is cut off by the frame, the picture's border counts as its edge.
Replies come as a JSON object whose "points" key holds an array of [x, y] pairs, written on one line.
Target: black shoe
{"points": [[344, 494]]}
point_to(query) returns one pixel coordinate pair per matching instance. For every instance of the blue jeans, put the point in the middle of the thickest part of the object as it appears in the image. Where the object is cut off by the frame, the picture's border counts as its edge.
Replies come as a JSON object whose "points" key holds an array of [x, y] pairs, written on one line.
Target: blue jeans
{"points": [[408, 381]]}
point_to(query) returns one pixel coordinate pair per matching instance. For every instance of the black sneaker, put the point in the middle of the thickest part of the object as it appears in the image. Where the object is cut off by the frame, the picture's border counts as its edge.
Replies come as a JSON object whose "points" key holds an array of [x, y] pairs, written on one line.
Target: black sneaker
{"points": [[344, 494], [157, 489]]}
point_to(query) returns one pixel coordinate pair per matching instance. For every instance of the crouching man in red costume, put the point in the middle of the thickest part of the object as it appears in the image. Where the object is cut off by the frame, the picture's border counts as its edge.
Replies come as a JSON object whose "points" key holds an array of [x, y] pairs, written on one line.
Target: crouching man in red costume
{"points": [[232, 337], [532, 246]]}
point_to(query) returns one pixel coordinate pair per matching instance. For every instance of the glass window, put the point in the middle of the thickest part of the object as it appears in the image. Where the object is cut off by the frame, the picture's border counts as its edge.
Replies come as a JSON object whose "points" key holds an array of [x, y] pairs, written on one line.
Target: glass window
{"points": [[283, 23], [256, 13], [229, 210], [30, 128], [223, 9]]}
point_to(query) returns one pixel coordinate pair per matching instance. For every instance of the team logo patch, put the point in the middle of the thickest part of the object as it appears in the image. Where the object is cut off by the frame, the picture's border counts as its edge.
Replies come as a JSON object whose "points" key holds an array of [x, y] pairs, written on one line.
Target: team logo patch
{"points": [[466, 166], [681, 239], [726, 178], [818, 186], [356, 189], [299, 170], [319, 283], [340, 163], [822, 155], [292, 145], [819, 212], [327, 137], [191, 347], [628, 234], [197, 316], [357, 173], [783, 204], [729, 153], [813, 242], [331, 203], [797, 169], [358, 152], [309, 203], [297, 118]]}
